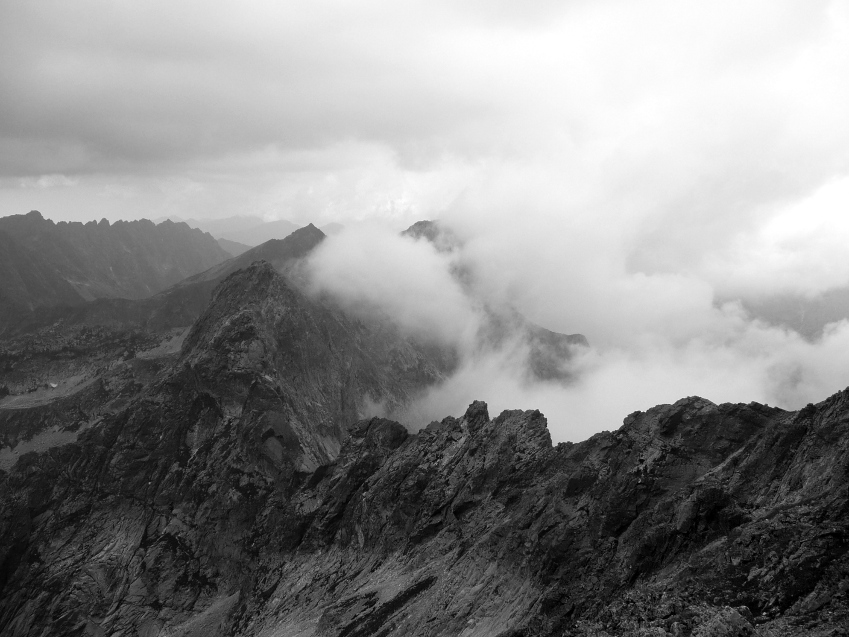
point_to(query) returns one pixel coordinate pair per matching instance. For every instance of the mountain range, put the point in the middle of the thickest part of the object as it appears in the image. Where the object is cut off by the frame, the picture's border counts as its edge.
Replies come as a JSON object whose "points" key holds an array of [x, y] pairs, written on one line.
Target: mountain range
{"points": [[220, 459], [239, 232], [47, 264]]}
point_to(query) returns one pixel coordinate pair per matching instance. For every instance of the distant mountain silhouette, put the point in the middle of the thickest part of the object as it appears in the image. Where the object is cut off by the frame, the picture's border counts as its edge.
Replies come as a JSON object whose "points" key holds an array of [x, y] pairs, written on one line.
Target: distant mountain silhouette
{"points": [[218, 227], [804, 315], [332, 228], [254, 236], [248, 230], [177, 306], [46, 264], [233, 247]]}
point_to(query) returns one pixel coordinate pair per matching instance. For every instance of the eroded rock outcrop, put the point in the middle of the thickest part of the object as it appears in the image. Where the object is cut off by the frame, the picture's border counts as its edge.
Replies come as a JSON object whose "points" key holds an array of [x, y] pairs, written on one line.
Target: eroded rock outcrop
{"points": [[241, 493], [151, 515], [692, 519]]}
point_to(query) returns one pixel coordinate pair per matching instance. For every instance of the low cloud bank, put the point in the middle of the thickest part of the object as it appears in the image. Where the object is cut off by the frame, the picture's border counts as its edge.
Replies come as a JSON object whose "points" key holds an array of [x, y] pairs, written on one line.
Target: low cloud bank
{"points": [[654, 338], [372, 268], [651, 171]]}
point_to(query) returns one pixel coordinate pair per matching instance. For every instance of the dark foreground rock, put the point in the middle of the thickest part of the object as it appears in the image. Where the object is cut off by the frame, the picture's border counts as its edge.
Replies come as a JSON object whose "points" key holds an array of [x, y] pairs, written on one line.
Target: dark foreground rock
{"points": [[233, 496], [691, 519]]}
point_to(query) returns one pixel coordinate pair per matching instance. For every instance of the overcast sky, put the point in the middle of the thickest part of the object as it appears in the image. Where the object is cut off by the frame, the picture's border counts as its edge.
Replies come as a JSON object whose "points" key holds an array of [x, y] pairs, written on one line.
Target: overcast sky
{"points": [[618, 168], [707, 113]]}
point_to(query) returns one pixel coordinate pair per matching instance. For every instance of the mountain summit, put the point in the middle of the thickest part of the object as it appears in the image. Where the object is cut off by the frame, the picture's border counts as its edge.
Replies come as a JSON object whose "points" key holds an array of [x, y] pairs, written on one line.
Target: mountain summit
{"points": [[244, 478], [245, 486]]}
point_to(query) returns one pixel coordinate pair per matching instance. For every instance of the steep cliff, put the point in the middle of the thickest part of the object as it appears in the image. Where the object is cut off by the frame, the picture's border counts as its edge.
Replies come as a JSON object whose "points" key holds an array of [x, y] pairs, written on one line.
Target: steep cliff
{"points": [[257, 398], [241, 492], [693, 518]]}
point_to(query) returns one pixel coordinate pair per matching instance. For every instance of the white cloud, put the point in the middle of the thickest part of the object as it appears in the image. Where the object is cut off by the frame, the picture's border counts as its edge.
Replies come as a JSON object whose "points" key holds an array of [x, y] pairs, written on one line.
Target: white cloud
{"points": [[800, 250], [374, 270], [617, 166]]}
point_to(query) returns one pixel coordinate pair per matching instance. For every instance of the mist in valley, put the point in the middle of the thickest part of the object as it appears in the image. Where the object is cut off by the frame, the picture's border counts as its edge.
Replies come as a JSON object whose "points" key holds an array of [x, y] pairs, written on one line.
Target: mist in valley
{"points": [[653, 338], [648, 175]]}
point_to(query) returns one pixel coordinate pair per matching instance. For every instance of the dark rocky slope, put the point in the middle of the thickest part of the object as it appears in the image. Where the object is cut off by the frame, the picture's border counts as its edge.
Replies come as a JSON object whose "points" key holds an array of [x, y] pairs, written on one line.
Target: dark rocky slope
{"points": [[47, 264], [227, 499], [179, 305], [693, 518], [70, 347], [257, 398]]}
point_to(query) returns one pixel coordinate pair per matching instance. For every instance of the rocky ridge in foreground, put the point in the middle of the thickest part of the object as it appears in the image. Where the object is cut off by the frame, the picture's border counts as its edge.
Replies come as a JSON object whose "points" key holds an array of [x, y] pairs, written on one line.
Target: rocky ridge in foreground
{"points": [[257, 397], [241, 493], [693, 518]]}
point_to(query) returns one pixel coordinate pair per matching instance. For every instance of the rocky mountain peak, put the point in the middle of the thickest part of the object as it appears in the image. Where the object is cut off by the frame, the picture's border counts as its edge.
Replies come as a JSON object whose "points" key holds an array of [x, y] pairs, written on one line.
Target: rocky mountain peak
{"points": [[443, 238], [236, 488], [476, 415], [217, 497]]}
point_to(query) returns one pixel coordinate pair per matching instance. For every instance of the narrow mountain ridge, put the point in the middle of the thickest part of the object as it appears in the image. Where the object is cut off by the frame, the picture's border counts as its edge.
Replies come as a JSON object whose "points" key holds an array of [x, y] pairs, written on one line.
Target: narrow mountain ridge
{"points": [[241, 493], [693, 518], [255, 401]]}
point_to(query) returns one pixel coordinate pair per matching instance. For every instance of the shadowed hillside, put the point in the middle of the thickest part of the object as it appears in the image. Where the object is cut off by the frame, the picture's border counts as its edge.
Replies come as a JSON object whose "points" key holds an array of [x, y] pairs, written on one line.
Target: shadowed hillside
{"points": [[47, 264], [239, 492]]}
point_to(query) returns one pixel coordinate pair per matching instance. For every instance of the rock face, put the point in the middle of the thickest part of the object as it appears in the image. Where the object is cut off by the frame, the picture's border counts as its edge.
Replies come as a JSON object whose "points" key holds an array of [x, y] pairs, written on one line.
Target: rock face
{"points": [[691, 519], [46, 264], [257, 399], [310, 370], [117, 341], [241, 492]]}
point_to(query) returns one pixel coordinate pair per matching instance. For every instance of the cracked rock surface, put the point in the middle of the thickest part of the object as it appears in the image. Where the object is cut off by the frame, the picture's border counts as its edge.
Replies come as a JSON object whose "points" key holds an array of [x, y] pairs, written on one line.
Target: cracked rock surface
{"points": [[242, 493]]}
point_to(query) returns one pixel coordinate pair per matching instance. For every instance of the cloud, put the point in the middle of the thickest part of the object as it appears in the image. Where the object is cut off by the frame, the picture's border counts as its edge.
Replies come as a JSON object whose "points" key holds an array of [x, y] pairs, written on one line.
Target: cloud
{"points": [[619, 169], [764, 364], [800, 250], [48, 181], [654, 338], [373, 270], [162, 84]]}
